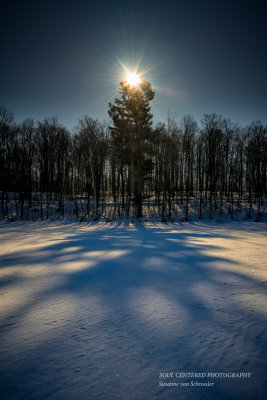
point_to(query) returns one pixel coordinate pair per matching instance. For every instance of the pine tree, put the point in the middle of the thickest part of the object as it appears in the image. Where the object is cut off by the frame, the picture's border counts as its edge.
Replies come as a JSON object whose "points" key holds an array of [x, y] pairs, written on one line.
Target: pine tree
{"points": [[131, 137]]}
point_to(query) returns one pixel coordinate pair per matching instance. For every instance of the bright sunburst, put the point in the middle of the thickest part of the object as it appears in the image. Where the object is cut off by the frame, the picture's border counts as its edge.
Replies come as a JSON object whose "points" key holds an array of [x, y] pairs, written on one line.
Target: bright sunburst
{"points": [[132, 78]]}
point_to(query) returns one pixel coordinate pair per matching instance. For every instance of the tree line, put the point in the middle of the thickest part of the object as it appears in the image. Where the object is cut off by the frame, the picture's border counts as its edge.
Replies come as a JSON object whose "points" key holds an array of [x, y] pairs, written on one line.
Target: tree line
{"points": [[130, 164]]}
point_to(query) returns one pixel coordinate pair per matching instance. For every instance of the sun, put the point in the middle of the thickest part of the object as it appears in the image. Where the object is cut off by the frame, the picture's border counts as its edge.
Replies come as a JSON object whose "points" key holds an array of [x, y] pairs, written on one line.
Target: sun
{"points": [[132, 78]]}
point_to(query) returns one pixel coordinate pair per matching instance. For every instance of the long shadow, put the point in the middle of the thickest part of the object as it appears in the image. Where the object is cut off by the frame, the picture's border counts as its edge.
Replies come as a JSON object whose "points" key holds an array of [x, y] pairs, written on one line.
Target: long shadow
{"points": [[134, 302]]}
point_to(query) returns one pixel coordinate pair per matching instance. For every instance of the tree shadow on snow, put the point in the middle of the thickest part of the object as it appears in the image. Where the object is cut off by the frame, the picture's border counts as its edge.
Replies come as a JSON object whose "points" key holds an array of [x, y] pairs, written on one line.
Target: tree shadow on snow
{"points": [[104, 310]]}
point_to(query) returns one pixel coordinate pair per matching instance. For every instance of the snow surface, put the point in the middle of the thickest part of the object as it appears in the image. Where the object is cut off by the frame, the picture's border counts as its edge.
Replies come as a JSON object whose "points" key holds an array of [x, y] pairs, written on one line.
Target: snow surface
{"points": [[98, 311]]}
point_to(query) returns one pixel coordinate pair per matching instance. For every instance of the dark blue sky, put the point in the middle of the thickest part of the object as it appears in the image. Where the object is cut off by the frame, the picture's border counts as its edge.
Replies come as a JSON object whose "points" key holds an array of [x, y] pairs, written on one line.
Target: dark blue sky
{"points": [[65, 58]]}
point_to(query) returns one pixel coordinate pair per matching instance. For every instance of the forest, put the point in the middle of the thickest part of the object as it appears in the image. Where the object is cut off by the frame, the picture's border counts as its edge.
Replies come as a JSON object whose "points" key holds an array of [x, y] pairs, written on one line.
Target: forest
{"points": [[128, 167]]}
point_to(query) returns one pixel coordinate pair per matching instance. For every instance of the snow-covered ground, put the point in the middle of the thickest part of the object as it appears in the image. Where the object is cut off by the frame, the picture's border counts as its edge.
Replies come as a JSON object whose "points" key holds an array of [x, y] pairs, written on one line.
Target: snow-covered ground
{"points": [[99, 311]]}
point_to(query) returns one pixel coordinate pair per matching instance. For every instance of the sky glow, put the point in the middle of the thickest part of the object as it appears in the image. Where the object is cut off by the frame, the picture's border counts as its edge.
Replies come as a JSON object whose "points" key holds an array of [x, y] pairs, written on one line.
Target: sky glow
{"points": [[200, 58]]}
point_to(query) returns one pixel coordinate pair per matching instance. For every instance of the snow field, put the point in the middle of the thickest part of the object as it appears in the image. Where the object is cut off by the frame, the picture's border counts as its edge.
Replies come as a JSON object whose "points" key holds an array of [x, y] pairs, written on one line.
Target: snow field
{"points": [[99, 311]]}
